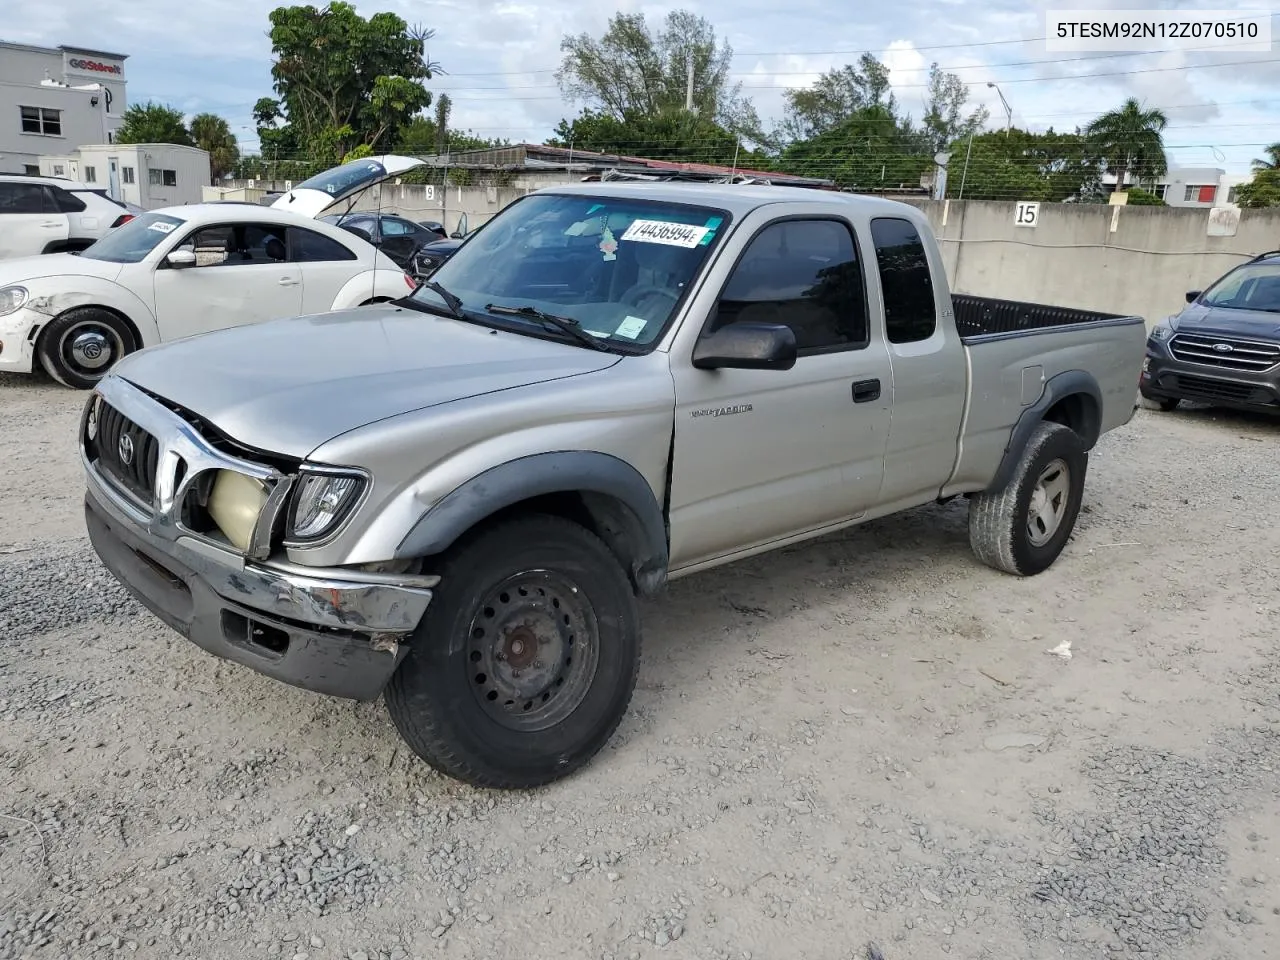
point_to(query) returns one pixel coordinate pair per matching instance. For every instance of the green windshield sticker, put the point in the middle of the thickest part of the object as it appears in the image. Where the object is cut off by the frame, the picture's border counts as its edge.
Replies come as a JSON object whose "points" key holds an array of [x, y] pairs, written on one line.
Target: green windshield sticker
{"points": [[594, 208], [710, 226]]}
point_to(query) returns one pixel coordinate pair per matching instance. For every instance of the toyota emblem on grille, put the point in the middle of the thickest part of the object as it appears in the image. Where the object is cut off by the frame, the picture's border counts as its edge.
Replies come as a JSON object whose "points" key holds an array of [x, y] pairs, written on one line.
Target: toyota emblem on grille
{"points": [[126, 449], [1223, 347]]}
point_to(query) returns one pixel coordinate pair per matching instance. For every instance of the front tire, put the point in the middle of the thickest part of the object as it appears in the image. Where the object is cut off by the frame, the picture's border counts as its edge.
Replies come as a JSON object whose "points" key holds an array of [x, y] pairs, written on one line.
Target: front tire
{"points": [[78, 347], [526, 660], [1024, 527]]}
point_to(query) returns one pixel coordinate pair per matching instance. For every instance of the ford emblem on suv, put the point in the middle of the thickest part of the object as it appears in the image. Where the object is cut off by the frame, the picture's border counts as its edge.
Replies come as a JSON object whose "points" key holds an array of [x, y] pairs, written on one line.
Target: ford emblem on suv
{"points": [[1223, 347]]}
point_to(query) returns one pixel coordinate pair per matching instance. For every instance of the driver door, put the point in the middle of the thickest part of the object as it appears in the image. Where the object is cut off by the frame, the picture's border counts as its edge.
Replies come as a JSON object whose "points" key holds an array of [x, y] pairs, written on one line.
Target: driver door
{"points": [[241, 275]]}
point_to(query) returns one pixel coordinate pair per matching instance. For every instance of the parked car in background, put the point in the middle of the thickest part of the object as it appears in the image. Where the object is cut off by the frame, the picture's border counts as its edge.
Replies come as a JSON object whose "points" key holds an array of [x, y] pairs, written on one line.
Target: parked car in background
{"points": [[179, 271], [458, 498], [394, 235], [1223, 348], [430, 257], [436, 227], [40, 215]]}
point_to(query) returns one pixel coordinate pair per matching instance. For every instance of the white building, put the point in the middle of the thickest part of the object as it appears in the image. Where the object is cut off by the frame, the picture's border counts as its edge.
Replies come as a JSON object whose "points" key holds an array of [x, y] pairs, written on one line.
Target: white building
{"points": [[1190, 186], [149, 174], [53, 100]]}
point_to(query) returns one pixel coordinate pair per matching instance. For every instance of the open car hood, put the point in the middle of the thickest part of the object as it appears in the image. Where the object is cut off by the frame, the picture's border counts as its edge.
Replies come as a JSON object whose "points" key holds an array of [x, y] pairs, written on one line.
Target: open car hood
{"points": [[343, 183]]}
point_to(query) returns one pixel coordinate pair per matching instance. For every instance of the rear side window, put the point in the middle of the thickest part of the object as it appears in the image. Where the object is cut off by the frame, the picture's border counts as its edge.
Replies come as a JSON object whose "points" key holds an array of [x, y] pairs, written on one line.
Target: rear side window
{"points": [[64, 202], [805, 274], [910, 314], [307, 246], [22, 198]]}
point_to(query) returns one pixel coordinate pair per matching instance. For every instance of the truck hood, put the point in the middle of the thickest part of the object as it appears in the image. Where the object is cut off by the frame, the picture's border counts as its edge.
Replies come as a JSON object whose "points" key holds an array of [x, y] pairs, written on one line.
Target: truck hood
{"points": [[22, 269], [288, 386], [1260, 324]]}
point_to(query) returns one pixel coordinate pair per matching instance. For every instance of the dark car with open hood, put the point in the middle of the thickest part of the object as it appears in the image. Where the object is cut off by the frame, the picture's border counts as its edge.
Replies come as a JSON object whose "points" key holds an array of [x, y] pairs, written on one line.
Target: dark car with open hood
{"points": [[1224, 347]]}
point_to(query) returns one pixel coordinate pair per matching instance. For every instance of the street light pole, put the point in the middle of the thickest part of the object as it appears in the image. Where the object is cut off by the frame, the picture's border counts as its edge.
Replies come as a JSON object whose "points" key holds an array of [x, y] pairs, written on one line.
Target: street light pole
{"points": [[1008, 111]]}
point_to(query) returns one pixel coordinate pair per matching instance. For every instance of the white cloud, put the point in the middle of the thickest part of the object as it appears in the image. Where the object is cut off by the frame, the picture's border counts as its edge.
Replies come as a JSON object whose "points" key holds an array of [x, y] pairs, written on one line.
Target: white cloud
{"points": [[217, 57]]}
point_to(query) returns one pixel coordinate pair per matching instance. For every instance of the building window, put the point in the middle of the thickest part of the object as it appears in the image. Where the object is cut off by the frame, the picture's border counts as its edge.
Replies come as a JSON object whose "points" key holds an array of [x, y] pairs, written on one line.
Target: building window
{"points": [[59, 170], [126, 174], [163, 178], [31, 169], [1160, 190], [41, 120], [90, 175], [1231, 194], [1199, 193]]}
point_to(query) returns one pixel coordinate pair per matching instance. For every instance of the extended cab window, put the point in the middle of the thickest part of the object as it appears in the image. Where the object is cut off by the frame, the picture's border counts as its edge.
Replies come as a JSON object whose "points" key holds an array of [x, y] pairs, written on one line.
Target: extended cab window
{"points": [[805, 274], [905, 281]]}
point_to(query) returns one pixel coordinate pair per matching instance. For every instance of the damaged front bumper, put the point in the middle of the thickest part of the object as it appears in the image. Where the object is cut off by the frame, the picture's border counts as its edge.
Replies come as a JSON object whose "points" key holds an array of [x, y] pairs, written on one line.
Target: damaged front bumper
{"points": [[334, 631], [17, 339]]}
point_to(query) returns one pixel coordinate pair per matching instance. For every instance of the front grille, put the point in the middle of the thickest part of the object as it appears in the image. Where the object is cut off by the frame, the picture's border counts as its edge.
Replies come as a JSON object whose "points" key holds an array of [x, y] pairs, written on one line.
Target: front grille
{"points": [[1228, 353], [118, 435], [1201, 388]]}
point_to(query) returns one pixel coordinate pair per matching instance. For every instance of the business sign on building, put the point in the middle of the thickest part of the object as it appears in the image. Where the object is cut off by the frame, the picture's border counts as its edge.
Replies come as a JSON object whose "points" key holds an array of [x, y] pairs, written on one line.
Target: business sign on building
{"points": [[94, 66]]}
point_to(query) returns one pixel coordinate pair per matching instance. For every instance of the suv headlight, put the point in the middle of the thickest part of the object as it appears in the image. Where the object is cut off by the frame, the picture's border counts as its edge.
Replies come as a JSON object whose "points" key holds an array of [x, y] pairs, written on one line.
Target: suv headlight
{"points": [[322, 499], [11, 299], [1165, 329]]}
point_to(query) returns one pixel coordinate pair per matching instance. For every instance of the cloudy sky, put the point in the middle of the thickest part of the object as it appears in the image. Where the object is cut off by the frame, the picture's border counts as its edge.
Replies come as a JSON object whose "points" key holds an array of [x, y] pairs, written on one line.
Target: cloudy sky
{"points": [[500, 57]]}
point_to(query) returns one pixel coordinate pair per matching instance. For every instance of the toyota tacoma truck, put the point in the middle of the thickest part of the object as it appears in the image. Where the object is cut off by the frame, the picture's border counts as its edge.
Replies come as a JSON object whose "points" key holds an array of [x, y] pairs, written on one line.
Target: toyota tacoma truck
{"points": [[454, 501]]}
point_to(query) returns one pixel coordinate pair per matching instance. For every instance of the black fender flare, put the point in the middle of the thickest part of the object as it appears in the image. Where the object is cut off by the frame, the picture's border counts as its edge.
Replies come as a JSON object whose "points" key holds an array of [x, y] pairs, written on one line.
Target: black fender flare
{"points": [[1056, 388], [621, 504]]}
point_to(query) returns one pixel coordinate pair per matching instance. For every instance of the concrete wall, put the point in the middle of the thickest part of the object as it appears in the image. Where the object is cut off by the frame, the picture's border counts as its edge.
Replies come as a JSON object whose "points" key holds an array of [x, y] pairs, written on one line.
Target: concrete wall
{"points": [[1132, 260]]}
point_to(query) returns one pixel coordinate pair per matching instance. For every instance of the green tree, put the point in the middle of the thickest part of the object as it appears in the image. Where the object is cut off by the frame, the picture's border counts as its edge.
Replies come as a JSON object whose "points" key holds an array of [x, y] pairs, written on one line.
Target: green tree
{"points": [[342, 80], [675, 135], [212, 134], [1021, 165], [871, 149], [1142, 198], [632, 72], [837, 95], [1131, 141], [1272, 162], [153, 123], [1262, 191], [944, 118]]}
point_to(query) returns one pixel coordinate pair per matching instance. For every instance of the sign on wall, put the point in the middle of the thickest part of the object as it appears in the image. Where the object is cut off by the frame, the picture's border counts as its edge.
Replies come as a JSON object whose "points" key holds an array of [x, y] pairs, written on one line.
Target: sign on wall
{"points": [[431, 191], [1026, 214], [1223, 222]]}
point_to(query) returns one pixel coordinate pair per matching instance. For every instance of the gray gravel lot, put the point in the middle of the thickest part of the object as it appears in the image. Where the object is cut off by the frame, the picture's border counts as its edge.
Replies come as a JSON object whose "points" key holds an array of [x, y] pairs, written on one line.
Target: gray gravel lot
{"points": [[859, 741]]}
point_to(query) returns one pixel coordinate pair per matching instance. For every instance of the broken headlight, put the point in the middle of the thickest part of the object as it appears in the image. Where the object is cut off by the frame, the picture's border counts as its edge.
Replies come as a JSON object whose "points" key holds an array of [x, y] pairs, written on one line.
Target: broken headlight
{"points": [[11, 299], [322, 499]]}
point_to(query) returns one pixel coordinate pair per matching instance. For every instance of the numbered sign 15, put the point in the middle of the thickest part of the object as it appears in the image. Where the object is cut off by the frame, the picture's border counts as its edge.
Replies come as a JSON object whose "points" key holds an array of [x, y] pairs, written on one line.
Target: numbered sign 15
{"points": [[1026, 214]]}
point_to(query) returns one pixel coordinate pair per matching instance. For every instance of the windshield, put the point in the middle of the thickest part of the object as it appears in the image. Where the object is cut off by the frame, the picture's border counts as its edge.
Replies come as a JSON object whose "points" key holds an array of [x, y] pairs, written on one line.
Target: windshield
{"points": [[1251, 287], [131, 242], [342, 180], [616, 265]]}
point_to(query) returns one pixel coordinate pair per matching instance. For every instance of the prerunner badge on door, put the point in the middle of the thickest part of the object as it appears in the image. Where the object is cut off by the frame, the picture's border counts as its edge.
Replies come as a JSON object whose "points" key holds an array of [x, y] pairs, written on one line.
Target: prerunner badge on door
{"points": [[659, 231]]}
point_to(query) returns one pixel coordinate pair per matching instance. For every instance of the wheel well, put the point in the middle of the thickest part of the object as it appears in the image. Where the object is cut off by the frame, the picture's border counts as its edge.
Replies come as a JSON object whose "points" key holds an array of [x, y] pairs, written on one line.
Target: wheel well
{"points": [[373, 300], [132, 327], [1080, 413], [607, 517]]}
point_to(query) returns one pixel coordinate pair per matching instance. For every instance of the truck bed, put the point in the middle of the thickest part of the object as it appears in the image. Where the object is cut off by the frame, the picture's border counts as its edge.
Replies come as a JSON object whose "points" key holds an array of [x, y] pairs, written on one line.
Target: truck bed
{"points": [[986, 317]]}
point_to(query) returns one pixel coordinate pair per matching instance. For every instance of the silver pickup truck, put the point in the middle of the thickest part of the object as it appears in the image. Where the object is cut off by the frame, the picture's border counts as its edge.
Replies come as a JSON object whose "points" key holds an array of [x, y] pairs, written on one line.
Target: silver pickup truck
{"points": [[455, 500]]}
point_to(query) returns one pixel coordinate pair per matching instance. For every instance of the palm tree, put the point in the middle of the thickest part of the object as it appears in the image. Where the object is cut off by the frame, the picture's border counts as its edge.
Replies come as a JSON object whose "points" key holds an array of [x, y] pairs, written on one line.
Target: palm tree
{"points": [[211, 133], [1272, 162], [1131, 140]]}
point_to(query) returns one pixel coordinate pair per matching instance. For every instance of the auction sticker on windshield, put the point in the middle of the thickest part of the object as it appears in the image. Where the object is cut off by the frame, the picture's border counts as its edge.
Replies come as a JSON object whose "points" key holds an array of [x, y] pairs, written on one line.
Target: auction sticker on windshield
{"points": [[660, 231], [161, 227]]}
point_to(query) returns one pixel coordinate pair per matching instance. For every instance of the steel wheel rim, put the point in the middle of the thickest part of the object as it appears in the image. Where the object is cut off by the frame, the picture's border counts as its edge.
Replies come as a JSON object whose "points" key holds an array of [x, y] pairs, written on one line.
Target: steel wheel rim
{"points": [[1048, 507], [89, 347], [532, 650]]}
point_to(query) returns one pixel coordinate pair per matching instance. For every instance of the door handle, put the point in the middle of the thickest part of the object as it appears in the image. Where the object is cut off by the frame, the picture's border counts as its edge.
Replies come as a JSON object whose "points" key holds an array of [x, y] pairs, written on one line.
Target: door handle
{"points": [[51, 224], [287, 282], [864, 391]]}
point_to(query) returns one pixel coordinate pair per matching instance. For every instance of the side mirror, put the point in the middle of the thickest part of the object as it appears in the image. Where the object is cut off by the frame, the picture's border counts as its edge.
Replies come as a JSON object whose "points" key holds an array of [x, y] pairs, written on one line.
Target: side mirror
{"points": [[1192, 294], [181, 257], [460, 230], [747, 346]]}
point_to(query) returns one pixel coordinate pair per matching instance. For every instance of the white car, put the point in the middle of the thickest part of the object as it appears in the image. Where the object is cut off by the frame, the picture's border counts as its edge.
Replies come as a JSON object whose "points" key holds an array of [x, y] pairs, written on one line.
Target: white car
{"points": [[53, 215], [180, 271]]}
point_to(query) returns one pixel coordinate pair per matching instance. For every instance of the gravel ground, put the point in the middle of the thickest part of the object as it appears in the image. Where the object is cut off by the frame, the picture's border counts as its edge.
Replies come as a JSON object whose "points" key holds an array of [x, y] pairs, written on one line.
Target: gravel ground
{"points": [[860, 747]]}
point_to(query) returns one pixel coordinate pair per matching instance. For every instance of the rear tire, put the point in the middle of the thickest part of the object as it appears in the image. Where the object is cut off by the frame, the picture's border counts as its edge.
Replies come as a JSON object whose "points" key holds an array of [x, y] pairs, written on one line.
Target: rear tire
{"points": [[1023, 528], [526, 660], [78, 347]]}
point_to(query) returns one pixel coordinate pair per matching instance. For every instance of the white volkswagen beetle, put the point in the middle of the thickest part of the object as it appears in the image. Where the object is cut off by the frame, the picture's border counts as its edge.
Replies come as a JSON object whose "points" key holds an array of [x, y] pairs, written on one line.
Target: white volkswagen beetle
{"points": [[180, 271]]}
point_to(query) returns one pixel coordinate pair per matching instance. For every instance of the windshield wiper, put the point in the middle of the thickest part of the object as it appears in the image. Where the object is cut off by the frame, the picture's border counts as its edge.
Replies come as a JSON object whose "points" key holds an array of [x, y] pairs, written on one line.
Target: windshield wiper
{"points": [[567, 324], [452, 300]]}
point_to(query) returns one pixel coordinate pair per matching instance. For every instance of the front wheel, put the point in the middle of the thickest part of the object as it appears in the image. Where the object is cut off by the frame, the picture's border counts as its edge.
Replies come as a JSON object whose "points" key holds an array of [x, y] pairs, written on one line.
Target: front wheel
{"points": [[78, 347], [1024, 527], [526, 660]]}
